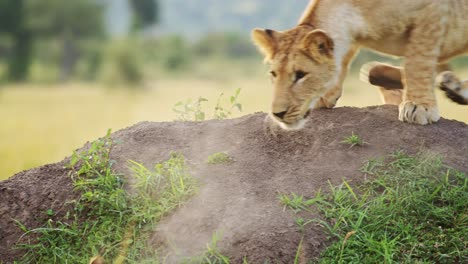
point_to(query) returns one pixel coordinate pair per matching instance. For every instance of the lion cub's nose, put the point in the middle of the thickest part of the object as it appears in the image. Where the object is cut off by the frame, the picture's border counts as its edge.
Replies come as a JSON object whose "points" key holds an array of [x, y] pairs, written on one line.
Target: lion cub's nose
{"points": [[280, 115]]}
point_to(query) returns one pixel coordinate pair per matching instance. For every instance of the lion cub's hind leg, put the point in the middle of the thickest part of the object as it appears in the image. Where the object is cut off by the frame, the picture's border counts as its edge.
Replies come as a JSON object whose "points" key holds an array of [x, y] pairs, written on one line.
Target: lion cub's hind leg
{"points": [[387, 78], [455, 89], [391, 97], [330, 99]]}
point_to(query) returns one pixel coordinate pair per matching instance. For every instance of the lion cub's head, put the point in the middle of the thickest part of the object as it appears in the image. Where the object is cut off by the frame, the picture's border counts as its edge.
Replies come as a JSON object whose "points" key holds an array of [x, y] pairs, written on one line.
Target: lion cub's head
{"points": [[302, 70]]}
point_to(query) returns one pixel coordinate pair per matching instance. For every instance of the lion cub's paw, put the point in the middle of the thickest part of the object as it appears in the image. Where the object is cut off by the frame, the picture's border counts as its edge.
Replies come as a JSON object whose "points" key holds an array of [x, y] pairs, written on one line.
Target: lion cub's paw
{"points": [[325, 103], [418, 114], [456, 90]]}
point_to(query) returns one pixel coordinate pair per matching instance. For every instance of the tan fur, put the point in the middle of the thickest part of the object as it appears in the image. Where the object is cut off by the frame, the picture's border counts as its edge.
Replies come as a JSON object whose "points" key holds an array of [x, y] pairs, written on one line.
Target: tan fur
{"points": [[388, 79], [454, 88], [425, 32]]}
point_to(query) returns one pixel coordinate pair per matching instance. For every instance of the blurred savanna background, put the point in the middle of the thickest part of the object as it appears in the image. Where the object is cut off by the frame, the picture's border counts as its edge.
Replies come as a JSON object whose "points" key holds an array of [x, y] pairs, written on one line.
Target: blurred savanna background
{"points": [[70, 70]]}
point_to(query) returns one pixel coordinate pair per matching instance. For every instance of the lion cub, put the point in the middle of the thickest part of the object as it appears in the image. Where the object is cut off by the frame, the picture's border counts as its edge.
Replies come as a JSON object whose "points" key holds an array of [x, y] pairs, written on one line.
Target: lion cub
{"points": [[310, 61]]}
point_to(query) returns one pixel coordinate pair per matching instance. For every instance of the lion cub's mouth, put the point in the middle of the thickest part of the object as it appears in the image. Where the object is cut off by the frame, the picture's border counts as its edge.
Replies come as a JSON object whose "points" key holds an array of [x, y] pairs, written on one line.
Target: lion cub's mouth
{"points": [[297, 125]]}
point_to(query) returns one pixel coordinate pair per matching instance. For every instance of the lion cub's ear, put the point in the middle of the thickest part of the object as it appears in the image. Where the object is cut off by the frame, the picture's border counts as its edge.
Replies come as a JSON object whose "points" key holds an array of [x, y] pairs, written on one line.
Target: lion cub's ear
{"points": [[318, 45], [265, 40]]}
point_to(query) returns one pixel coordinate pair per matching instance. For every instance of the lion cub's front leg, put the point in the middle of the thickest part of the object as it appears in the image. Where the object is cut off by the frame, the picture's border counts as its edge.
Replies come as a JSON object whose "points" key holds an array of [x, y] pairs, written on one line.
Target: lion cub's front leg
{"points": [[330, 99], [419, 103], [421, 55]]}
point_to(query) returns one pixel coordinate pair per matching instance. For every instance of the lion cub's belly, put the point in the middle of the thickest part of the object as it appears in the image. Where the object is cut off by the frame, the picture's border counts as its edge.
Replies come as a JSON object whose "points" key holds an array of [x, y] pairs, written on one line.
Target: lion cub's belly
{"points": [[456, 41], [392, 46]]}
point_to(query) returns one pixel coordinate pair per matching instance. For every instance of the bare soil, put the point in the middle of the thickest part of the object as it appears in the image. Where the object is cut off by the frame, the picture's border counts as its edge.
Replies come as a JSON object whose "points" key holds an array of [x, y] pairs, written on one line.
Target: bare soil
{"points": [[240, 199]]}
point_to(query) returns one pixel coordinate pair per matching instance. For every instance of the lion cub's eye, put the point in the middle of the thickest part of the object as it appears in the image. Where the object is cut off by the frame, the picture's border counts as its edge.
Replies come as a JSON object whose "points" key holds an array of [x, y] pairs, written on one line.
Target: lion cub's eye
{"points": [[273, 73], [299, 75]]}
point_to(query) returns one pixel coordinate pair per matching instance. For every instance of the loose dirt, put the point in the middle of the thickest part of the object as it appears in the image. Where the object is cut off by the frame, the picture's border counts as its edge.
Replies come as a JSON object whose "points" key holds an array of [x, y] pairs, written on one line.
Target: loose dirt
{"points": [[240, 199]]}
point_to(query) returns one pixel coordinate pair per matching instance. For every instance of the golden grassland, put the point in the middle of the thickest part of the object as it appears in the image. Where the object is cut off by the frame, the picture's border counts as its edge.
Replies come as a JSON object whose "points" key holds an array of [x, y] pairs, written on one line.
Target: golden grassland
{"points": [[44, 123]]}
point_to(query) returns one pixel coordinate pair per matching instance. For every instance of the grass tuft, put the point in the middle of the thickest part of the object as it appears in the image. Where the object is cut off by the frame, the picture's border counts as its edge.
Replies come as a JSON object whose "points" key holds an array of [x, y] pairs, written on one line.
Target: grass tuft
{"points": [[106, 221], [212, 255], [354, 140], [297, 202], [219, 158]]}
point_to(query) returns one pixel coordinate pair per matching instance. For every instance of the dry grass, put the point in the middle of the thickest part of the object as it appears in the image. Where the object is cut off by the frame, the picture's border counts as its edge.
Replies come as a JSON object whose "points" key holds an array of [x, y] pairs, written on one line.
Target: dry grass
{"points": [[43, 123]]}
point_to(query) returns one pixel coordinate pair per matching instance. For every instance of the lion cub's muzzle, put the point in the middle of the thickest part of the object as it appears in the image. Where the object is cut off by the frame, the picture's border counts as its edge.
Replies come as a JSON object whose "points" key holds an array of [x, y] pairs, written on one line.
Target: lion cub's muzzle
{"points": [[280, 115], [290, 122]]}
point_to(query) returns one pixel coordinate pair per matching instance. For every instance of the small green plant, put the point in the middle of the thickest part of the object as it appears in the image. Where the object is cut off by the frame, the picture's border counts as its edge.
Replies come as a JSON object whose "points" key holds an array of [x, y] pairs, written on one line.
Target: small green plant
{"points": [[192, 110], [219, 158], [372, 165], [297, 202], [302, 223], [354, 140], [50, 212], [412, 211], [106, 220], [222, 112]]}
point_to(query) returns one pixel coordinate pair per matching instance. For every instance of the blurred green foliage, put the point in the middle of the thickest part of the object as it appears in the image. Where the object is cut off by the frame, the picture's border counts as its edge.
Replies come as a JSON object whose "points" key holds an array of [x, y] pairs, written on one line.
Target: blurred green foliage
{"points": [[230, 45], [64, 21], [82, 18], [64, 37], [27, 22], [145, 13], [122, 64], [175, 53], [18, 52]]}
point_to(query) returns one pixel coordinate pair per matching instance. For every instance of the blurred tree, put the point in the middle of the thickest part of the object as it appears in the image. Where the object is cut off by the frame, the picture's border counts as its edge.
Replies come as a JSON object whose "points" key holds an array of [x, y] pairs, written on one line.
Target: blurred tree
{"points": [[145, 13], [177, 53], [12, 17], [232, 45], [122, 64], [67, 21]]}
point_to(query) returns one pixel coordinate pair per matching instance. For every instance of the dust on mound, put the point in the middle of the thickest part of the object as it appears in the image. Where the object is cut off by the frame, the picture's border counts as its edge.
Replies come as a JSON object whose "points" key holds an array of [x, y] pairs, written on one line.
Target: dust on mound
{"points": [[240, 198]]}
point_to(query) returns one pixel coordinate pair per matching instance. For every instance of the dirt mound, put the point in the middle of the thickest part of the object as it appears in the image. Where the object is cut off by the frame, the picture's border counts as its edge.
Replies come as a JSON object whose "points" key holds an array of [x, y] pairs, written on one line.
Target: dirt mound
{"points": [[240, 198]]}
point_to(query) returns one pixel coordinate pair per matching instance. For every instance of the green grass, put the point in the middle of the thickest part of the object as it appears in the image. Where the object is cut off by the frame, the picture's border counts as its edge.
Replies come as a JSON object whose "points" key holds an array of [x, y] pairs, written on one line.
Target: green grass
{"points": [[225, 110], [295, 202], [219, 158], [414, 210], [106, 220], [212, 255], [354, 140]]}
